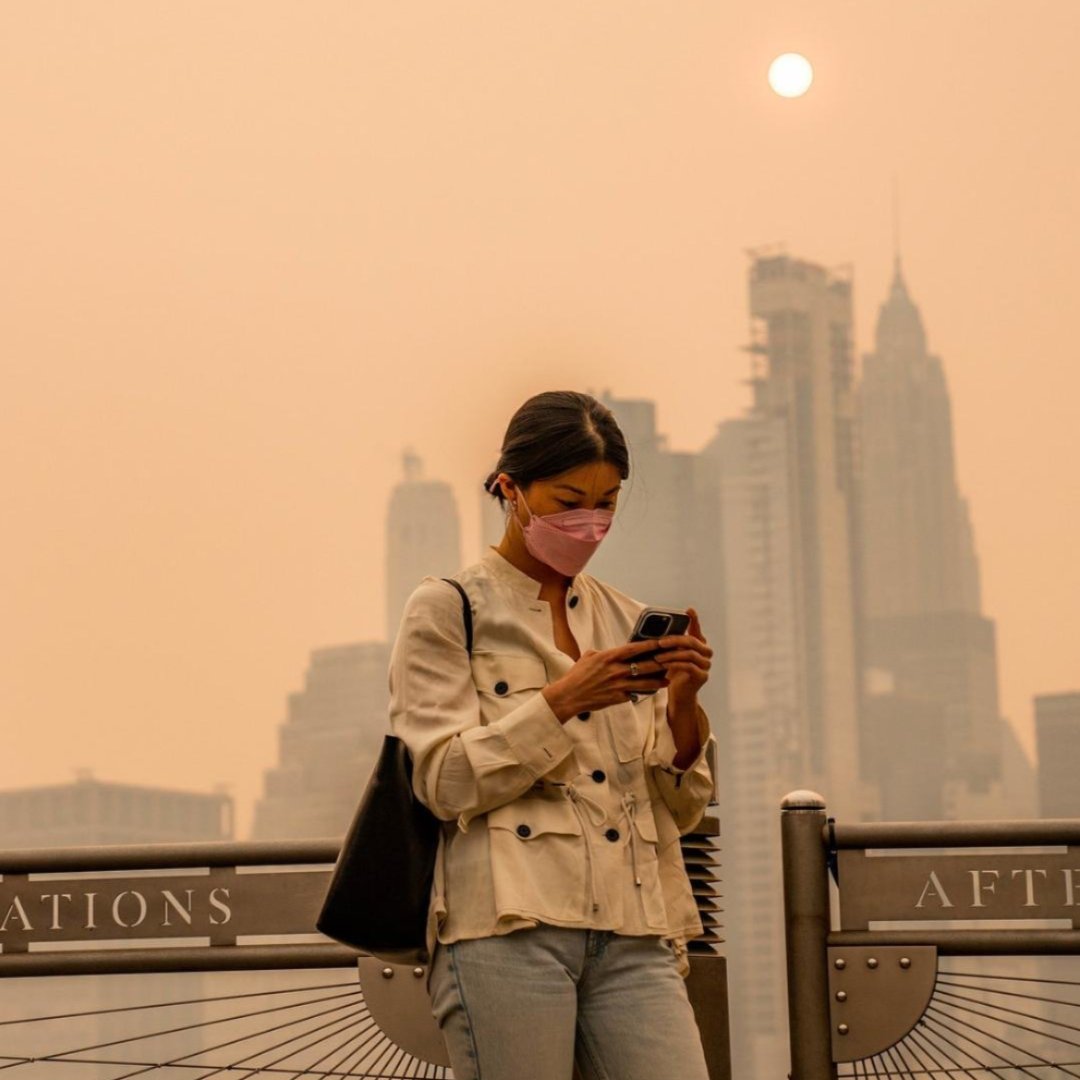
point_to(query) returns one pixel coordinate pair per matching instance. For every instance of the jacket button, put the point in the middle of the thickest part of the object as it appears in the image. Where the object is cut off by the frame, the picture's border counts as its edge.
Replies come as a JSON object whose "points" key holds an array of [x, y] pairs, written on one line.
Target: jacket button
{"points": [[502, 686], [573, 601], [524, 830], [583, 715], [612, 835], [599, 775]]}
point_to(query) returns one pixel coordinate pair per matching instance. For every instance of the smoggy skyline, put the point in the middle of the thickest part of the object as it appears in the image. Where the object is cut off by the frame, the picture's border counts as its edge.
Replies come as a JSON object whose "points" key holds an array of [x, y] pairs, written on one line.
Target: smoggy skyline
{"points": [[255, 250]]}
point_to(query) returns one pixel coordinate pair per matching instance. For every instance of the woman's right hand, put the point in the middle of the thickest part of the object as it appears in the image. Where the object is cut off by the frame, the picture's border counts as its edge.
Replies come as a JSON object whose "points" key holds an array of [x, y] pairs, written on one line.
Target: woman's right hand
{"points": [[602, 678]]}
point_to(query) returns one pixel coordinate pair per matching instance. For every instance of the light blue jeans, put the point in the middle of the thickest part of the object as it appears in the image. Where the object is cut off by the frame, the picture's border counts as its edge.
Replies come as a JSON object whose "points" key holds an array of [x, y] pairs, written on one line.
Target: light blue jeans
{"points": [[529, 1004]]}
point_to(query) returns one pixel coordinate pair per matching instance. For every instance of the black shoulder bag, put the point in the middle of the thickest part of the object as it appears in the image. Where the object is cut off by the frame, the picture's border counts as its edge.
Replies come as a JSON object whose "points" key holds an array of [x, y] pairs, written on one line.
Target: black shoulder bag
{"points": [[380, 890]]}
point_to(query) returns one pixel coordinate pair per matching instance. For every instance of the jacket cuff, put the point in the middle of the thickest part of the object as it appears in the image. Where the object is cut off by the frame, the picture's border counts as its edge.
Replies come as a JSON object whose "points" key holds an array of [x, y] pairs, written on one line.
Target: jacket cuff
{"points": [[666, 749], [536, 736]]}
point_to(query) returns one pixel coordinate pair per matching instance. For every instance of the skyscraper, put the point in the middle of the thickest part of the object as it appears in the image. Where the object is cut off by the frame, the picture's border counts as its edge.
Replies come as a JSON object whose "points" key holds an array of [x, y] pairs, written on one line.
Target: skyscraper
{"points": [[925, 632], [760, 747], [919, 551], [1057, 734], [423, 536], [327, 745], [802, 381], [787, 541]]}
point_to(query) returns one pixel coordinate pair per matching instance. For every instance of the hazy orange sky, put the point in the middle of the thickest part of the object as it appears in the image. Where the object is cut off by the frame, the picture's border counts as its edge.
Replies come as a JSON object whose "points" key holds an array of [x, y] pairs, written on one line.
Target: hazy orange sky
{"points": [[251, 250]]}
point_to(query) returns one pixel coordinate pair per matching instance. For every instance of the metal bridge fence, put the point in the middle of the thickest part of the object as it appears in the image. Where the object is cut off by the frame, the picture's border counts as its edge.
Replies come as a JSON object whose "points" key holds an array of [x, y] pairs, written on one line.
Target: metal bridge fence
{"points": [[931, 950], [215, 969]]}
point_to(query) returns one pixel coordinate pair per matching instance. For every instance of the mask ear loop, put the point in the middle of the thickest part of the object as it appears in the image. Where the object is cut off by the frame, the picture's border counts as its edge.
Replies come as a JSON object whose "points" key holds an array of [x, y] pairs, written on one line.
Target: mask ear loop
{"points": [[511, 504]]}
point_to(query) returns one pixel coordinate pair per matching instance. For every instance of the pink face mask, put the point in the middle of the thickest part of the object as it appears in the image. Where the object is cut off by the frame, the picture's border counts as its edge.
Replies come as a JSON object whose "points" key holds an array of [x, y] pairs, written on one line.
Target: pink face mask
{"points": [[565, 541]]}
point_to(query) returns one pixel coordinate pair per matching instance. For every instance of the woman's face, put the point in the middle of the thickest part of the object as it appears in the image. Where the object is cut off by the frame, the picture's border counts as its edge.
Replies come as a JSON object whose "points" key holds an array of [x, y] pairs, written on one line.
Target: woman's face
{"points": [[594, 486]]}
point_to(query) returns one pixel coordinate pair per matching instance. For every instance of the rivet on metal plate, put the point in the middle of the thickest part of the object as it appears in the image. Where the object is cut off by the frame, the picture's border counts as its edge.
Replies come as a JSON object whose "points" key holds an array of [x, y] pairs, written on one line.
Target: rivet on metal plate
{"points": [[387, 972]]}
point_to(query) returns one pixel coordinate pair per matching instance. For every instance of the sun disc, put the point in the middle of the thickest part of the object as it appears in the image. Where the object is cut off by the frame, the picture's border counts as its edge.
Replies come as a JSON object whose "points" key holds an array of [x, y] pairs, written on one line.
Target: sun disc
{"points": [[790, 75]]}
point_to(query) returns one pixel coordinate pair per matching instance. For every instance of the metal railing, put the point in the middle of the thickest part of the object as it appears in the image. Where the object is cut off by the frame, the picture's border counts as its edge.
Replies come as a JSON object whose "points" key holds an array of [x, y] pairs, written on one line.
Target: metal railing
{"points": [[183, 909], [910, 964]]}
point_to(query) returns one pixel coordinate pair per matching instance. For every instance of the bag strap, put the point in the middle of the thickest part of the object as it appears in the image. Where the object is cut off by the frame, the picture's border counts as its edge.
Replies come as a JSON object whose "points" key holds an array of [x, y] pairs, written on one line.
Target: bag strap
{"points": [[466, 612]]}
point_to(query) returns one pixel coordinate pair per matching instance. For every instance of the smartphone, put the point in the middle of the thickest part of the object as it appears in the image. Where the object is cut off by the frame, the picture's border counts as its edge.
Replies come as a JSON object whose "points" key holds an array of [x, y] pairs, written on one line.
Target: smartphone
{"points": [[656, 622]]}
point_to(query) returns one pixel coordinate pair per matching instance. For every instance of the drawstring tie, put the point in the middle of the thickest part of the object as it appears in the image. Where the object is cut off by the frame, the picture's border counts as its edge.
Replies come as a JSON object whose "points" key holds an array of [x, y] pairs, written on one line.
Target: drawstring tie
{"points": [[583, 807], [629, 802], [589, 810]]}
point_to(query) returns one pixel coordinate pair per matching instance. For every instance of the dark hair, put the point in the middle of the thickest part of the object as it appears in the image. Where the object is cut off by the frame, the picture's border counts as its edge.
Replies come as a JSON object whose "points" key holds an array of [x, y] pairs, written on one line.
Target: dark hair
{"points": [[554, 432]]}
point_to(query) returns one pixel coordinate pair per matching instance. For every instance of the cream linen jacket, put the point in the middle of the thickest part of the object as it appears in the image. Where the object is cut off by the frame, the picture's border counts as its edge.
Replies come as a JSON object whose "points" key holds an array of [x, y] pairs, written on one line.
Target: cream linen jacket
{"points": [[573, 824]]}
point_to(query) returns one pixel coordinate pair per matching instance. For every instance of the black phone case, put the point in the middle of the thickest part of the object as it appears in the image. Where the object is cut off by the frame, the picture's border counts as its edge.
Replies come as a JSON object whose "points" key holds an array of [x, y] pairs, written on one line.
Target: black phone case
{"points": [[681, 625], [682, 622]]}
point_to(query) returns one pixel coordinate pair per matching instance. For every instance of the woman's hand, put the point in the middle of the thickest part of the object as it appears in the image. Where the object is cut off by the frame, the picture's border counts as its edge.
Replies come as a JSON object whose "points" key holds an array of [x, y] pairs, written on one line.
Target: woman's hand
{"points": [[686, 659], [602, 677]]}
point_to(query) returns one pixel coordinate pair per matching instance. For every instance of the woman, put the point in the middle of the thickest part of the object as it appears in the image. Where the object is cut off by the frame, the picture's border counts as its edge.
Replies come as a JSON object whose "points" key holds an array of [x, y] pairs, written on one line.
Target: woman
{"points": [[564, 768]]}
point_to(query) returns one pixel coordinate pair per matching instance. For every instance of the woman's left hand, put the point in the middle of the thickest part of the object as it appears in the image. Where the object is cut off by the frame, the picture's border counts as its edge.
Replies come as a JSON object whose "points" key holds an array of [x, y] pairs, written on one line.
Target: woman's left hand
{"points": [[686, 659]]}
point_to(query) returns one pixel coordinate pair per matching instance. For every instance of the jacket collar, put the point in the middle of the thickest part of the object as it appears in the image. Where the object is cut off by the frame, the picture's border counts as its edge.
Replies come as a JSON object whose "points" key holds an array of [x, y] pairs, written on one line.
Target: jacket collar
{"points": [[502, 568]]}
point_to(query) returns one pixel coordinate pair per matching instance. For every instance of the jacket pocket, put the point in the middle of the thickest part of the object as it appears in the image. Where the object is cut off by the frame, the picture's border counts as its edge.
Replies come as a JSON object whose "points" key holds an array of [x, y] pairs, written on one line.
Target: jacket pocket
{"points": [[645, 824], [501, 677], [537, 859]]}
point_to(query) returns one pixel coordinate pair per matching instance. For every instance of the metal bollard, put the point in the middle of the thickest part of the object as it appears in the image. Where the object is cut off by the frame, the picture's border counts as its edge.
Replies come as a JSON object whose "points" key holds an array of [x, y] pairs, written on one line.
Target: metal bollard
{"points": [[806, 926]]}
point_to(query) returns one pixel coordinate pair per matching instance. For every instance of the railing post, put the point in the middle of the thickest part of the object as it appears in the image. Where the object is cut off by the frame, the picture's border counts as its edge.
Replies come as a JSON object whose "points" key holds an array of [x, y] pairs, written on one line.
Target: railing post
{"points": [[806, 926]]}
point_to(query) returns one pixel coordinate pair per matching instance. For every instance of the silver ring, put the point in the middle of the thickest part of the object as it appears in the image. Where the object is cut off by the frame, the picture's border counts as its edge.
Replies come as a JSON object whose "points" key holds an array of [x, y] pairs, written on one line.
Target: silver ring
{"points": [[633, 669]]}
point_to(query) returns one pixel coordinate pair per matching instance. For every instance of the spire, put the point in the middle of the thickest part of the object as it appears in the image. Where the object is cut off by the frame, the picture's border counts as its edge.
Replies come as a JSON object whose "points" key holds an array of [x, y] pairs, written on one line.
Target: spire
{"points": [[899, 289], [896, 227], [898, 293], [899, 318], [413, 466]]}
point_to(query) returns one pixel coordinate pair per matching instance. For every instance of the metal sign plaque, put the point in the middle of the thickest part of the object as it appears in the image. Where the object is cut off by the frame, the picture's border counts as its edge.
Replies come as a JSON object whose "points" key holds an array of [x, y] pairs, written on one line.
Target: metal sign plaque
{"points": [[917, 888], [215, 905]]}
